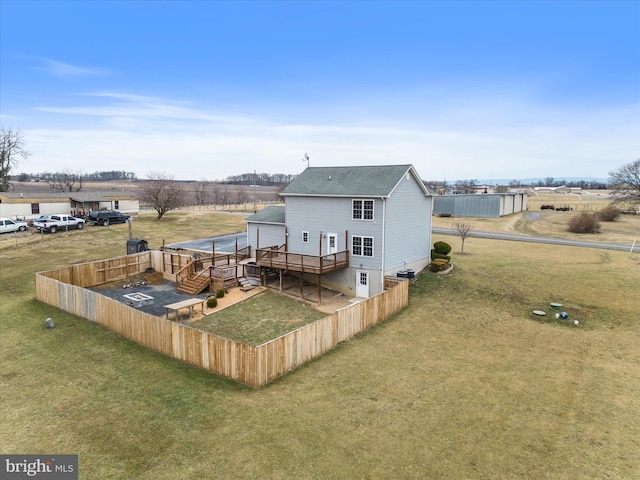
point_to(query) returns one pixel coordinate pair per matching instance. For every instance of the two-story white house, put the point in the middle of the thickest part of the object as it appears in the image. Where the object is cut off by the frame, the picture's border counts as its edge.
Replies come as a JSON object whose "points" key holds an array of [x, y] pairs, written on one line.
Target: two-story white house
{"points": [[347, 227]]}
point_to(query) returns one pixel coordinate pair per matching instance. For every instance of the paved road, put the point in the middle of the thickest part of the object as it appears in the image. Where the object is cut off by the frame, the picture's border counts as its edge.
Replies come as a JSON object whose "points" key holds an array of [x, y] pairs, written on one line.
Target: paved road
{"points": [[554, 241], [224, 244], [227, 243]]}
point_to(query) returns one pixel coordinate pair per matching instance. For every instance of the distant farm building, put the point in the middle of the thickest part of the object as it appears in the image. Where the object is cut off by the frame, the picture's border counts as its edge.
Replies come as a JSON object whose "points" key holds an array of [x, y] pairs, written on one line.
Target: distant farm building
{"points": [[487, 205], [32, 205], [560, 189]]}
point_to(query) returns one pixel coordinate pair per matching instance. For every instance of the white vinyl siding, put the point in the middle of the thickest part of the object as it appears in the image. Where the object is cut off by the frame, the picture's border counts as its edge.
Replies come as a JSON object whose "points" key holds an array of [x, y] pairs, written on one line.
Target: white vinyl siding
{"points": [[407, 242], [267, 235]]}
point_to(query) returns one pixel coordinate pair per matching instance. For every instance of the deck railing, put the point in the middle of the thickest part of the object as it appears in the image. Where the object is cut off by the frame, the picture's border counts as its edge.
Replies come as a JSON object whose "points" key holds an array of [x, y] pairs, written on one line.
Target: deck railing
{"points": [[225, 277], [275, 257], [200, 266], [243, 253]]}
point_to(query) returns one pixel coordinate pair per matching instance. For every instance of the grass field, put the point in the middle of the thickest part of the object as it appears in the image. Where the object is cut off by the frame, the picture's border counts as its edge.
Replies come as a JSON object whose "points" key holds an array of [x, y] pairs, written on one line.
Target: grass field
{"points": [[463, 383], [260, 319]]}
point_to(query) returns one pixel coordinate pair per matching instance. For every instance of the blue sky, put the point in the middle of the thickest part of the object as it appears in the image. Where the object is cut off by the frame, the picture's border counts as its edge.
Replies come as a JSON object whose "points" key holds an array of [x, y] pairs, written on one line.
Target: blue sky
{"points": [[203, 89]]}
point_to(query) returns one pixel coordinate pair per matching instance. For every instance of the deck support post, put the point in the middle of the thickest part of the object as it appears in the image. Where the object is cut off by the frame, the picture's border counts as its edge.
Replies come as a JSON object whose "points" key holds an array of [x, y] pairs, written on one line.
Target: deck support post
{"points": [[302, 285]]}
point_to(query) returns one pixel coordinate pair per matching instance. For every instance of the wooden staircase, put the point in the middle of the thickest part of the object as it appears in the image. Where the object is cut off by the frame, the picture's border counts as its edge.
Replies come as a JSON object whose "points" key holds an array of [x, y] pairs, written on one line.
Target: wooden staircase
{"points": [[194, 284], [247, 284]]}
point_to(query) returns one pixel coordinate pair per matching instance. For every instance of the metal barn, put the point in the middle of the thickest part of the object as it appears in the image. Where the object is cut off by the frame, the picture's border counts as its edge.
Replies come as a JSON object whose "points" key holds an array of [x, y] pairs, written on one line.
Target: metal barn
{"points": [[487, 205]]}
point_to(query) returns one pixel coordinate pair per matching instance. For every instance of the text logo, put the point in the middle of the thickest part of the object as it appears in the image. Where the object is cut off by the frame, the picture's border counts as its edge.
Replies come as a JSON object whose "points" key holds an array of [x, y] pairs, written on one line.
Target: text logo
{"points": [[49, 467]]}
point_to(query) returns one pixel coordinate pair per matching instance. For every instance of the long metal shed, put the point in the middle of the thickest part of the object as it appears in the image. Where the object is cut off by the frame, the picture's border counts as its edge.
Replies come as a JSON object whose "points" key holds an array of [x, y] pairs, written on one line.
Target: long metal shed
{"points": [[487, 205]]}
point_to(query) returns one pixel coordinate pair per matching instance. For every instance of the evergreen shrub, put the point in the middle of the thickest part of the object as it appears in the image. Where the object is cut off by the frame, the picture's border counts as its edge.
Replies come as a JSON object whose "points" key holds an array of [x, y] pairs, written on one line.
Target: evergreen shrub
{"points": [[442, 248], [435, 255]]}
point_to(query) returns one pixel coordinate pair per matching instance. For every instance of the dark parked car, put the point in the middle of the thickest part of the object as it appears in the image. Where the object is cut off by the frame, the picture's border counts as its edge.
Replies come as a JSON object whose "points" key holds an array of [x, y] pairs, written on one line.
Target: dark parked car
{"points": [[107, 217]]}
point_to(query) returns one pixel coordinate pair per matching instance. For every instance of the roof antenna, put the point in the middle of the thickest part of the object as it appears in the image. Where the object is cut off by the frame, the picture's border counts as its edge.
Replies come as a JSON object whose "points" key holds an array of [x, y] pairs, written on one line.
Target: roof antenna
{"points": [[306, 159]]}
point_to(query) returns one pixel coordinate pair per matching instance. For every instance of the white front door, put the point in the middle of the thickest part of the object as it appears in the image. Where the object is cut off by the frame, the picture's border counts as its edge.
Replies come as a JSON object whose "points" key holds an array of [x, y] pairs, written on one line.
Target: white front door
{"points": [[362, 283], [332, 243]]}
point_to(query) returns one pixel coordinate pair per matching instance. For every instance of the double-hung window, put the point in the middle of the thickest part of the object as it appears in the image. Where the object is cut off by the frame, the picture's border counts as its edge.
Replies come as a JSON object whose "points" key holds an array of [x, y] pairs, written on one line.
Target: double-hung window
{"points": [[362, 209], [362, 246], [305, 237]]}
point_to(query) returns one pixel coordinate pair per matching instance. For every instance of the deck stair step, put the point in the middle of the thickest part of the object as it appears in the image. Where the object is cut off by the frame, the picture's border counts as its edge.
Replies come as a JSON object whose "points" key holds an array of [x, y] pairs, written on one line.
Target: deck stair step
{"points": [[193, 285], [271, 273], [248, 282]]}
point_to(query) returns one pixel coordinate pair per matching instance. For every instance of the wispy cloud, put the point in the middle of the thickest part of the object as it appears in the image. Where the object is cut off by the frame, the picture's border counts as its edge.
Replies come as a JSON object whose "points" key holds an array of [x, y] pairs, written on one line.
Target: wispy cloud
{"points": [[60, 69], [192, 141], [130, 110]]}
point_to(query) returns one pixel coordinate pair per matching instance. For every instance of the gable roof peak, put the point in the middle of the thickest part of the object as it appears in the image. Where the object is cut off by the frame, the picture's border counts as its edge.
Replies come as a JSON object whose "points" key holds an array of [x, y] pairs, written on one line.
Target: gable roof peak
{"points": [[366, 180]]}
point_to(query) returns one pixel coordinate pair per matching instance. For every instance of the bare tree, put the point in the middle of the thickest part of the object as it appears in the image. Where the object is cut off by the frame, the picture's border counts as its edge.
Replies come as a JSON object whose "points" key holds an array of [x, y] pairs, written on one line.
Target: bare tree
{"points": [[625, 181], [240, 195], [466, 186], [201, 192], [162, 192], [66, 181], [222, 195], [11, 152], [463, 229]]}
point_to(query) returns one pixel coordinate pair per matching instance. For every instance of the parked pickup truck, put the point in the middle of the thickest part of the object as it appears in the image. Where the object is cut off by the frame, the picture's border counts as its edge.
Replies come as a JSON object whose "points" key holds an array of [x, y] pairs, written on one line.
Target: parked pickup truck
{"points": [[107, 217], [53, 223], [8, 225]]}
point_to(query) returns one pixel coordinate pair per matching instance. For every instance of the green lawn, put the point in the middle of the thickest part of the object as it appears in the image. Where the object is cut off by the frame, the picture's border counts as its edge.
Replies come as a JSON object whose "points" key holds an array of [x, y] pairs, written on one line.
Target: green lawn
{"points": [[463, 383], [260, 318]]}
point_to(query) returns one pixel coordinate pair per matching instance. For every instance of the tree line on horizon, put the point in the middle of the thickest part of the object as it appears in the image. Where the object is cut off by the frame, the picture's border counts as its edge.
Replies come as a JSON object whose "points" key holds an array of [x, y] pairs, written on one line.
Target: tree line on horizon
{"points": [[473, 186], [264, 179], [624, 180], [283, 179]]}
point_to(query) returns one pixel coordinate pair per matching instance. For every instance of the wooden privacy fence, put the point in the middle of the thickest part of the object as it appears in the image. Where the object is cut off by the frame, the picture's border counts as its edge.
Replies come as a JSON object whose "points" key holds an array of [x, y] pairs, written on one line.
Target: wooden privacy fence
{"points": [[248, 364]]}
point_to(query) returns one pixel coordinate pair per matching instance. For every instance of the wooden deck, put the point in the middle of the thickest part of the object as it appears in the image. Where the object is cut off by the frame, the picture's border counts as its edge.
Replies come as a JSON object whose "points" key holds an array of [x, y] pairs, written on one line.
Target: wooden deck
{"points": [[316, 264]]}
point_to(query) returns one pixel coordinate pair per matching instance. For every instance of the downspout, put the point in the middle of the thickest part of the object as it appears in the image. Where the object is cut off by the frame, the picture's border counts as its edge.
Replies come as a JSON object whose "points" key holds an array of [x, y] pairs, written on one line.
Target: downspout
{"points": [[384, 232]]}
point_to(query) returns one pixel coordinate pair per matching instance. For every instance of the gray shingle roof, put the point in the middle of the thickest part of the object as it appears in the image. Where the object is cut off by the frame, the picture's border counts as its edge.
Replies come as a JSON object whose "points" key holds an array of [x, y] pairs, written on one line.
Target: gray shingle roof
{"points": [[101, 196], [268, 215], [372, 180], [76, 196]]}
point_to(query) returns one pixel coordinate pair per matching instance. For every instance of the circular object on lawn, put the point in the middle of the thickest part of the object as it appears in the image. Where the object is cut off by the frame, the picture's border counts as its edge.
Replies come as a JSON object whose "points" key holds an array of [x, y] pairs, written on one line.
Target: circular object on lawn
{"points": [[539, 313], [556, 305]]}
